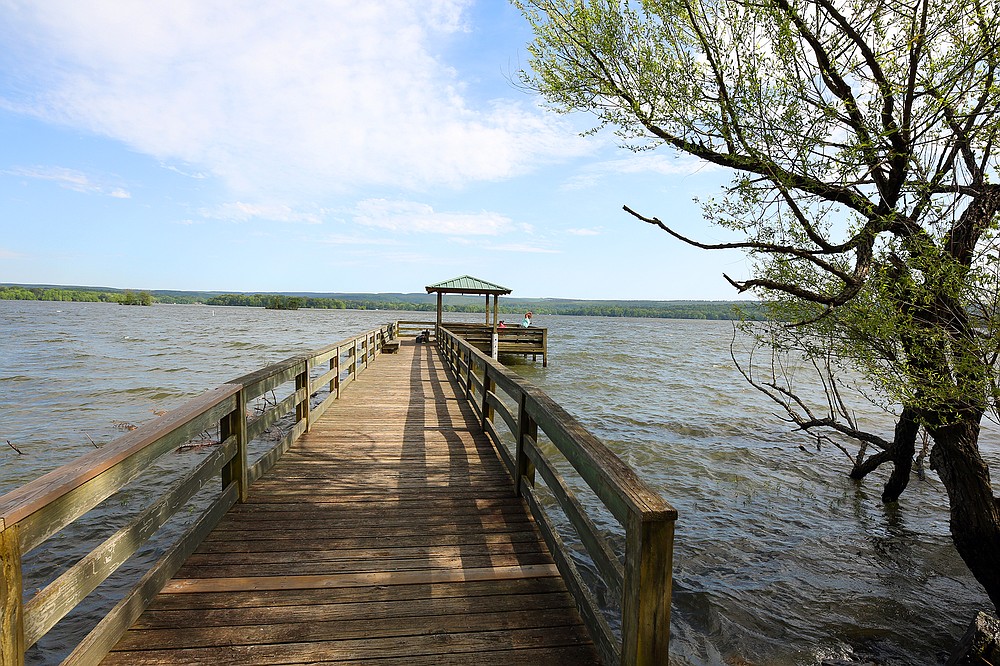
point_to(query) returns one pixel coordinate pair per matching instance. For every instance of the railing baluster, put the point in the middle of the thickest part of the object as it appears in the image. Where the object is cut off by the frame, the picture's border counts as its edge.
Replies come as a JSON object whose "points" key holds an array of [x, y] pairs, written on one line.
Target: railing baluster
{"points": [[646, 599], [526, 426], [302, 408], [468, 377], [235, 424], [489, 386], [11, 600], [335, 365]]}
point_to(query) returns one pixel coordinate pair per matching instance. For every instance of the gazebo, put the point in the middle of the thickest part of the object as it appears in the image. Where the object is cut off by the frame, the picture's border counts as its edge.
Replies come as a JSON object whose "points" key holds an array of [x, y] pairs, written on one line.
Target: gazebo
{"points": [[531, 341], [469, 285]]}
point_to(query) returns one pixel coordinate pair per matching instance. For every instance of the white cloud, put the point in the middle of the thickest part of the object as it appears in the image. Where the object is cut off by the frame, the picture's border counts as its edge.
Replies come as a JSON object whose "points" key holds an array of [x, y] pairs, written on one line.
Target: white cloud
{"points": [[583, 232], [665, 163], [413, 217], [523, 248], [195, 175], [344, 240], [239, 211], [295, 96], [69, 179], [10, 254]]}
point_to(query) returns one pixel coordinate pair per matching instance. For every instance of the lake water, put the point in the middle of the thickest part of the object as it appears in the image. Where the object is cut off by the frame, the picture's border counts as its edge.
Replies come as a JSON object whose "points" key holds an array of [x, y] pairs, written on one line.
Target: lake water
{"points": [[779, 557]]}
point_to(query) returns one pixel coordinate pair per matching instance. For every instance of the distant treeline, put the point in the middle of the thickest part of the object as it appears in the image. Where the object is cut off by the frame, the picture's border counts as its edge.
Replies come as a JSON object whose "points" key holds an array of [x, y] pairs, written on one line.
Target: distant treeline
{"points": [[402, 302], [127, 297], [724, 311]]}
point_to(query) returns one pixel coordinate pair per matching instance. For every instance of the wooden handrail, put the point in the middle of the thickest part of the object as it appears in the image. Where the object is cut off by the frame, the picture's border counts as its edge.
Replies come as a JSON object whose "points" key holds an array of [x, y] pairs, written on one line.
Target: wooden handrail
{"points": [[643, 579], [36, 511], [413, 328]]}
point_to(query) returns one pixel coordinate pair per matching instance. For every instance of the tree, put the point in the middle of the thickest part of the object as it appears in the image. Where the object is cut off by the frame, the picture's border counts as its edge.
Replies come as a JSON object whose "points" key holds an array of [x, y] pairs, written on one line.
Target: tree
{"points": [[861, 139], [130, 297]]}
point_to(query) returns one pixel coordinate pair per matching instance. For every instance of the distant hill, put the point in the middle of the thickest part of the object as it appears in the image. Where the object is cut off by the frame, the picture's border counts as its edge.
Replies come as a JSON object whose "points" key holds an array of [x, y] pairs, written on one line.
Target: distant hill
{"points": [[399, 301]]}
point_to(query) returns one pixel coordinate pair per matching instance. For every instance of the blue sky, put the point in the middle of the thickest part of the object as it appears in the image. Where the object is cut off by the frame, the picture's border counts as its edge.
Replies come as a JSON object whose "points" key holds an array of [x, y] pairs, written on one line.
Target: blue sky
{"points": [[321, 146]]}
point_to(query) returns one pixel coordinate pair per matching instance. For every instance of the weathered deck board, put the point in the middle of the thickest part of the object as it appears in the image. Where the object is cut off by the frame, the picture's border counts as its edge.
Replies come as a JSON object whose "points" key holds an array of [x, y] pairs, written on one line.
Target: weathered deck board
{"points": [[388, 534]]}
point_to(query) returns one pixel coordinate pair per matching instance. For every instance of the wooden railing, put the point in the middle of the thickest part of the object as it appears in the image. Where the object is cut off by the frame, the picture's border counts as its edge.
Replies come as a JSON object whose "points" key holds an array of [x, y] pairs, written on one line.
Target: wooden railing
{"points": [[410, 329], [642, 579], [34, 513]]}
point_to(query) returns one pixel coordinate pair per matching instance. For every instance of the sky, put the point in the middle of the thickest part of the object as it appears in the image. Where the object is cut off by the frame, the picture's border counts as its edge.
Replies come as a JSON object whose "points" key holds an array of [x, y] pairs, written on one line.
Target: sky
{"points": [[337, 146]]}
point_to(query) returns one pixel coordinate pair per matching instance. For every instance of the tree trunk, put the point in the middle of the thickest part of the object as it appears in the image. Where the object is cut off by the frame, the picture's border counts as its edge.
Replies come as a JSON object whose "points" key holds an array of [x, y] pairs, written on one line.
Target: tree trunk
{"points": [[975, 512], [903, 447], [900, 454]]}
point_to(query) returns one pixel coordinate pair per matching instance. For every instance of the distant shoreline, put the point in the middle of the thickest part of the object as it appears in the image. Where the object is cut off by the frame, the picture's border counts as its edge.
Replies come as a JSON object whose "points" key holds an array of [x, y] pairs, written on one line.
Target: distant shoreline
{"points": [[417, 302]]}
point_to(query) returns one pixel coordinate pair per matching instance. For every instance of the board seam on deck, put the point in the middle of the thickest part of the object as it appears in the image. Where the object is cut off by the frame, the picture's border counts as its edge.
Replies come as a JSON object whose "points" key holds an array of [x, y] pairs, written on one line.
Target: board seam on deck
{"points": [[193, 585]]}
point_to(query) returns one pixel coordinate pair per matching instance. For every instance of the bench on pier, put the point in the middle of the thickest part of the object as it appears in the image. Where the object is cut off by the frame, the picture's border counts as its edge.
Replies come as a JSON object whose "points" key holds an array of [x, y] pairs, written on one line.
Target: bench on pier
{"points": [[390, 346]]}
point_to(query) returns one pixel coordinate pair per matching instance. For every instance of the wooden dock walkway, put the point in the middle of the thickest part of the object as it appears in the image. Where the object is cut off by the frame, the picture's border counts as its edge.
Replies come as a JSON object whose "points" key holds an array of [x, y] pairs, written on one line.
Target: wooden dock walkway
{"points": [[389, 533]]}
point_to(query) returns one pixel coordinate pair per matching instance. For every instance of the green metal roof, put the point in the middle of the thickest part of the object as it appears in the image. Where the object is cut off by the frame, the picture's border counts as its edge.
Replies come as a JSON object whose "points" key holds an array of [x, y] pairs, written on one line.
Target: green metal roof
{"points": [[467, 285]]}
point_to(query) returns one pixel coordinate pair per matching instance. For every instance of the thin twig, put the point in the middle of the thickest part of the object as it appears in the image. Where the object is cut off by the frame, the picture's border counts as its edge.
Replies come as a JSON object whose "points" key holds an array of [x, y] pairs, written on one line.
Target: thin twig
{"points": [[19, 451]]}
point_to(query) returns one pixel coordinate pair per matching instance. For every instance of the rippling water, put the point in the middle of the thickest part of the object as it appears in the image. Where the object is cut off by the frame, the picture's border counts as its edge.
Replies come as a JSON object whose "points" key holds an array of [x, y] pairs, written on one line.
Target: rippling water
{"points": [[779, 557]]}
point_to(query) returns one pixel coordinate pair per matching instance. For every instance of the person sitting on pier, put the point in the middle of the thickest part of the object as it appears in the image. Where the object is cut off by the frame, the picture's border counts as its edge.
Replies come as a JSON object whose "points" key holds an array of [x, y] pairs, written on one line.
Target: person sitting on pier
{"points": [[527, 320], [501, 324]]}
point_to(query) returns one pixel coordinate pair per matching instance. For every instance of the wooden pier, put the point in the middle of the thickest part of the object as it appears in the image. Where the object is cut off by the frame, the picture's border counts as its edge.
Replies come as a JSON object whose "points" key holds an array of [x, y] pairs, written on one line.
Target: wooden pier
{"points": [[392, 521]]}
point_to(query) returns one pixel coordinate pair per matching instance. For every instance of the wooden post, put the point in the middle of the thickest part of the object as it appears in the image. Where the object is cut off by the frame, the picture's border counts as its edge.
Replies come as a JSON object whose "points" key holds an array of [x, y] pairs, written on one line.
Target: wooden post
{"points": [[437, 330], [235, 424], [302, 381], [489, 386], [336, 378], [335, 363], [468, 375], [649, 550], [526, 427], [495, 346], [11, 604]]}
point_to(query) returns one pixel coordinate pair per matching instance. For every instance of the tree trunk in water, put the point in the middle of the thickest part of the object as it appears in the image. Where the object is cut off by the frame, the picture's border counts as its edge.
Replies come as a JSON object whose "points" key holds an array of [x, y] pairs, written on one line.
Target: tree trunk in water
{"points": [[900, 454], [903, 447], [975, 512]]}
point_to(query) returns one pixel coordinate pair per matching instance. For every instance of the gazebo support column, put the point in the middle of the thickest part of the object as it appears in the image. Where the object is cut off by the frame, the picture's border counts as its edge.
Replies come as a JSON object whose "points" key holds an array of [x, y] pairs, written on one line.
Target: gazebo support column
{"points": [[437, 329], [496, 335]]}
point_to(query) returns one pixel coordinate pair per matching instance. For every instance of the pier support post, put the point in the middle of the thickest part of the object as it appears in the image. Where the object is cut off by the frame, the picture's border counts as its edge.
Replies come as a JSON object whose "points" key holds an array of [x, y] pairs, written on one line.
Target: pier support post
{"points": [[526, 427], [489, 386], [649, 549], [335, 363], [235, 424], [11, 599], [468, 376], [303, 381], [440, 307]]}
